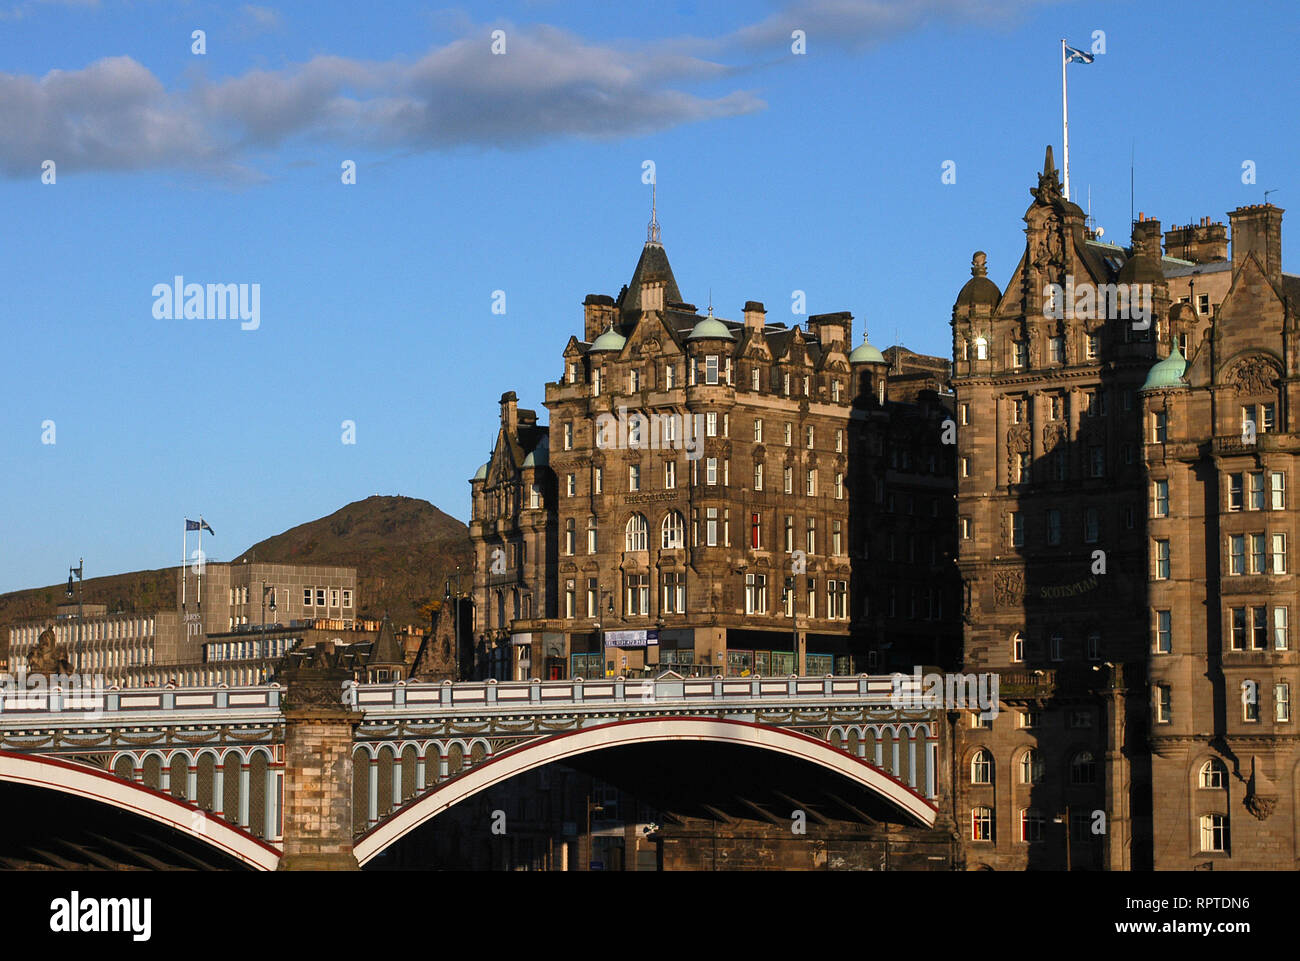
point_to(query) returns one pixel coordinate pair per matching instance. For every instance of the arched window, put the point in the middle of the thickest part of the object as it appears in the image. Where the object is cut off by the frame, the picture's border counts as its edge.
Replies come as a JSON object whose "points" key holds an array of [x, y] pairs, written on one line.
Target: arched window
{"points": [[981, 348], [636, 533], [981, 768], [674, 530], [1031, 767], [1212, 772], [1017, 647], [1083, 768]]}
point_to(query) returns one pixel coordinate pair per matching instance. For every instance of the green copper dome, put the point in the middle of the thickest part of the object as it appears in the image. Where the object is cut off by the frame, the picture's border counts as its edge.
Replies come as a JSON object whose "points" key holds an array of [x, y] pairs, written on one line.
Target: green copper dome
{"points": [[710, 328], [864, 353], [481, 473], [1167, 374], [610, 340]]}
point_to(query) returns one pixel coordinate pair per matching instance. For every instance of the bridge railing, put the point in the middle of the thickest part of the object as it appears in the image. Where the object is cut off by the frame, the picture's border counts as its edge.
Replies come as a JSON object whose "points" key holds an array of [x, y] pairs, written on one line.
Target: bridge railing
{"points": [[505, 694], [90, 700]]}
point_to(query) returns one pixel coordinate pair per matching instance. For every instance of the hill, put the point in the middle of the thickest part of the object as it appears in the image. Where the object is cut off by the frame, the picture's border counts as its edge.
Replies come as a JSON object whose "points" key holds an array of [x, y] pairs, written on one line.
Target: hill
{"points": [[402, 547]]}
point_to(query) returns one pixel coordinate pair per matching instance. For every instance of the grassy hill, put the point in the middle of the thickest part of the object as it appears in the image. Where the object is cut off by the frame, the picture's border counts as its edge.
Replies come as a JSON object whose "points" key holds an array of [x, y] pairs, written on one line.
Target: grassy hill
{"points": [[402, 547]]}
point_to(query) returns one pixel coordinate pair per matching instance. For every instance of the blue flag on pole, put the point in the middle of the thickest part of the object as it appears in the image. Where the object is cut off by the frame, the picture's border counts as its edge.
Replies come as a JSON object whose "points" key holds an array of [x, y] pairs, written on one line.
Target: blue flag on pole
{"points": [[1077, 56], [199, 525]]}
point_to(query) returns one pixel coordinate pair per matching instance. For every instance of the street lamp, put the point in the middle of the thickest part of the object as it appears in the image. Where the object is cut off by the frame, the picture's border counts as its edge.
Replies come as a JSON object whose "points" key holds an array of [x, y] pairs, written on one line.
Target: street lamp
{"points": [[455, 645], [81, 625], [267, 590]]}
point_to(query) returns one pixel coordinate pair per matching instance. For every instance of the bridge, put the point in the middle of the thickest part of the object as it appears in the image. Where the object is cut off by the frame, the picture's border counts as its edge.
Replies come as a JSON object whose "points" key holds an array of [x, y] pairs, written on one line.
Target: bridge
{"points": [[324, 774]]}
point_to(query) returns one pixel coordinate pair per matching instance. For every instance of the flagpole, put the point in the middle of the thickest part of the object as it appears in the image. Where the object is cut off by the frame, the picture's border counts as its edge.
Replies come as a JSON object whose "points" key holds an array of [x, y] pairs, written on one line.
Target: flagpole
{"points": [[1065, 123], [200, 587], [185, 549]]}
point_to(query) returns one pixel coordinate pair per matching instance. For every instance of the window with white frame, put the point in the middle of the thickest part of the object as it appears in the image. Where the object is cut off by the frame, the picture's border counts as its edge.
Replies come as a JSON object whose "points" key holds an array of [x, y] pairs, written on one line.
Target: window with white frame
{"points": [[1214, 833], [981, 821], [1212, 774], [711, 369], [673, 531], [1161, 554], [1031, 767], [981, 767], [1164, 703], [636, 533]]}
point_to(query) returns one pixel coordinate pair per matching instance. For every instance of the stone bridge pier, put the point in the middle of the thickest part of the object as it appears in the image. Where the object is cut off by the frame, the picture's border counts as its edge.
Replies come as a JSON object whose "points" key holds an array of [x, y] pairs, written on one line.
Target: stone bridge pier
{"points": [[318, 739]]}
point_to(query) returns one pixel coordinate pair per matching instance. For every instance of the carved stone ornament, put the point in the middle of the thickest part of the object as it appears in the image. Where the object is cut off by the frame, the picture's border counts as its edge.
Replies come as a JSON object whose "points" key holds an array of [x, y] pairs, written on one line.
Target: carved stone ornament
{"points": [[1254, 375], [1008, 588], [1053, 436], [1259, 806]]}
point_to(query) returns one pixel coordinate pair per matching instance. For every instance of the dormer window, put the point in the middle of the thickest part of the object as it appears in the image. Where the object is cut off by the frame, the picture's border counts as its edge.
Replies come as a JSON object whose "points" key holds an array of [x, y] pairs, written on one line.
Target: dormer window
{"points": [[633, 381], [785, 380], [670, 376], [573, 372], [753, 377]]}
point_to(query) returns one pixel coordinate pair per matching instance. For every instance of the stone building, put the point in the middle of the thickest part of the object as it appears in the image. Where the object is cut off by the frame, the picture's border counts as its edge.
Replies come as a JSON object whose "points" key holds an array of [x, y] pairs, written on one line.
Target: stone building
{"points": [[1093, 555], [717, 497]]}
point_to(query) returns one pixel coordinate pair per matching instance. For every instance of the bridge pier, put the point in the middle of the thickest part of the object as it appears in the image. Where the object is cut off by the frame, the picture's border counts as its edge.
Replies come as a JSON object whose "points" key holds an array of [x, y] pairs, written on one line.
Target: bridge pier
{"points": [[318, 741]]}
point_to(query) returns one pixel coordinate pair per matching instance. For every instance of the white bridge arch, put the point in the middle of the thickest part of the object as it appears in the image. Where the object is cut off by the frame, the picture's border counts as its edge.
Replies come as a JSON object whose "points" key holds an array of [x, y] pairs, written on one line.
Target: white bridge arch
{"points": [[635, 731], [77, 779]]}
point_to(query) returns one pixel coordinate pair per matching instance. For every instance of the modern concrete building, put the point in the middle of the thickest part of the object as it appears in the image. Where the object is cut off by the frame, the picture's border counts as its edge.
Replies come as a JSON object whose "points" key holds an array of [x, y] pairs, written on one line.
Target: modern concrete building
{"points": [[233, 632]]}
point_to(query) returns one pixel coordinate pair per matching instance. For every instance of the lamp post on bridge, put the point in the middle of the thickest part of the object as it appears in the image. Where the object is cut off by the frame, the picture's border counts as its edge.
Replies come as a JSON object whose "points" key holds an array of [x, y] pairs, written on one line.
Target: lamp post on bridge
{"points": [[449, 598], [81, 616]]}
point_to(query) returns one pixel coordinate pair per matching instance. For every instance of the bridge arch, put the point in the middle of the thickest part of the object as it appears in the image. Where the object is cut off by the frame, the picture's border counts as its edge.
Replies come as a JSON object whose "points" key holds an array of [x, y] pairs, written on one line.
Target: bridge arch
{"points": [[76, 779], [534, 754]]}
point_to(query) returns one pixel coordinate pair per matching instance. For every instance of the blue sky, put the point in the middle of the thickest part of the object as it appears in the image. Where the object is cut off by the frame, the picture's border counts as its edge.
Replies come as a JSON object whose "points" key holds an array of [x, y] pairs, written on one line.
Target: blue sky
{"points": [[519, 172]]}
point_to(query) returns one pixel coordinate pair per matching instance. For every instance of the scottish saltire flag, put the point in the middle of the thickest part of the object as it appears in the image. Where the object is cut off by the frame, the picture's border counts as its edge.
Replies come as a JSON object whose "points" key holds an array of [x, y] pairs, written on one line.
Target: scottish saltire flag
{"points": [[199, 525], [1073, 56]]}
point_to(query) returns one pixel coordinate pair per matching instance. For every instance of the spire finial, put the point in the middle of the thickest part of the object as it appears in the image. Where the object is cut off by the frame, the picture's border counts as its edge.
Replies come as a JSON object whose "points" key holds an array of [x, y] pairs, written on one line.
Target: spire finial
{"points": [[710, 301], [652, 233]]}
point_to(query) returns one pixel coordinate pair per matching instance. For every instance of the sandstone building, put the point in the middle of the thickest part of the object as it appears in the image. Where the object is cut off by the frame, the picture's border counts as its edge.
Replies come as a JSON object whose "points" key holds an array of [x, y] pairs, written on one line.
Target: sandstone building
{"points": [[1124, 553], [717, 497]]}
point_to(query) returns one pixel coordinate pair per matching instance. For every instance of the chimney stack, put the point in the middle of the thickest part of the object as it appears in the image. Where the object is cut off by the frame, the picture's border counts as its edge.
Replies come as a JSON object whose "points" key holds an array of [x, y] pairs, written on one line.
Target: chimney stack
{"points": [[598, 314], [755, 316], [1201, 243], [1258, 229], [510, 412]]}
